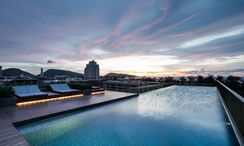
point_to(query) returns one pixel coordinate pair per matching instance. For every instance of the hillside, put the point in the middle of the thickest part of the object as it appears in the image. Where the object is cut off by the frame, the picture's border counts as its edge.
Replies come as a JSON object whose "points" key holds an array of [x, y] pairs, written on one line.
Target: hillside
{"points": [[56, 72], [15, 72], [118, 75]]}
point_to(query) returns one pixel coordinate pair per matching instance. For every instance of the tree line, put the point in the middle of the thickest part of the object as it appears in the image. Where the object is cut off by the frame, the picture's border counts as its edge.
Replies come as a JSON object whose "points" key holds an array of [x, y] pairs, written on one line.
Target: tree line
{"points": [[233, 82]]}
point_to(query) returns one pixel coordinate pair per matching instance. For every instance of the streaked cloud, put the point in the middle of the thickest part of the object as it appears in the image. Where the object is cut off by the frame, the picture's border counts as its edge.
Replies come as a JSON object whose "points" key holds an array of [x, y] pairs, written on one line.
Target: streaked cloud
{"points": [[145, 37], [199, 41]]}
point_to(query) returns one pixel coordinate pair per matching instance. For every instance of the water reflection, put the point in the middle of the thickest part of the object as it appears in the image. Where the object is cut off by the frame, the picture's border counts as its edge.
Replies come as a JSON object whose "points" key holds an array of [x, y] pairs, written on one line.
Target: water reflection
{"points": [[193, 105]]}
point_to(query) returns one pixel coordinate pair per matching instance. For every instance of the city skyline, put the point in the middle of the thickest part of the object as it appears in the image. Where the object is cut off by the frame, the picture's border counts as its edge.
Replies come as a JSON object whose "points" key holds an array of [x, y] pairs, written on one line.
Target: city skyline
{"points": [[140, 37]]}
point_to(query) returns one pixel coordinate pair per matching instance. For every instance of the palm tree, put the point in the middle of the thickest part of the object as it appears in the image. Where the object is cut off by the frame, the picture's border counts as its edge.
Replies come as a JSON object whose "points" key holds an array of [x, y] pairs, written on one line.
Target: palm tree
{"points": [[168, 79], [220, 78], [191, 78], [233, 81], [183, 79], [209, 79], [200, 79]]}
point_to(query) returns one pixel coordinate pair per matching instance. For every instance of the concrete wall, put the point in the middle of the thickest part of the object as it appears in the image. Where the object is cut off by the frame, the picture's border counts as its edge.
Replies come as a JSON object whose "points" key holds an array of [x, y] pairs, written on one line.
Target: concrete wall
{"points": [[134, 88], [235, 104]]}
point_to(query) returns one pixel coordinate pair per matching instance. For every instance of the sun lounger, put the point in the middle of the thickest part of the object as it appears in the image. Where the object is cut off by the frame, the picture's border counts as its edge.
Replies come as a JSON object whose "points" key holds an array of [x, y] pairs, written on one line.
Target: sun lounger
{"points": [[62, 88], [28, 91]]}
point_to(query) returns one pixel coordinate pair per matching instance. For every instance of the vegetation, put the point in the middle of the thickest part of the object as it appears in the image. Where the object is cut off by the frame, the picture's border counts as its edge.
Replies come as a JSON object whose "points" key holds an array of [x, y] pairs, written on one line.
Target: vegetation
{"points": [[80, 86], [209, 79], [95, 83], [45, 87], [15, 72], [220, 78], [147, 79], [182, 79], [169, 79], [235, 83], [51, 73], [6, 91], [200, 79], [193, 80], [116, 76]]}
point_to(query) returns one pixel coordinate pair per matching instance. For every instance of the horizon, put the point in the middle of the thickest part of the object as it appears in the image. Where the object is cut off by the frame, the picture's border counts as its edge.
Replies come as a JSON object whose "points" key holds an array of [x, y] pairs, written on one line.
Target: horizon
{"points": [[138, 37], [207, 74]]}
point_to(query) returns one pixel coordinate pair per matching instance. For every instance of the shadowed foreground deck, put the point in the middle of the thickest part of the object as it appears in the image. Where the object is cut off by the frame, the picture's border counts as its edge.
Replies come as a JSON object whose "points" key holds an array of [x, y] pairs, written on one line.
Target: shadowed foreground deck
{"points": [[16, 114]]}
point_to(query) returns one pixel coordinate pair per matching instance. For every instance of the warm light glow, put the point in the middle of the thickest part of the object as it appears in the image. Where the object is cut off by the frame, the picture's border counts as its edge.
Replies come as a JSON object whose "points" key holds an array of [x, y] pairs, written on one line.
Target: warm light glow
{"points": [[48, 100], [141, 65], [99, 92]]}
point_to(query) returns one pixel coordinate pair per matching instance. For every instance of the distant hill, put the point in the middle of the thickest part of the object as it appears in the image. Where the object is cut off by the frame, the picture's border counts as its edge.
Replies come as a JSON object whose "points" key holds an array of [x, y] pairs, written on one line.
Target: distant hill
{"points": [[51, 73], [15, 72], [118, 75]]}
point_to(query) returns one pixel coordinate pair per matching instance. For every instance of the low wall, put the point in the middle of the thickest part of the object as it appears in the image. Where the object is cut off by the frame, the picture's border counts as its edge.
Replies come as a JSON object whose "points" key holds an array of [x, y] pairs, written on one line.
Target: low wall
{"points": [[135, 89], [235, 104]]}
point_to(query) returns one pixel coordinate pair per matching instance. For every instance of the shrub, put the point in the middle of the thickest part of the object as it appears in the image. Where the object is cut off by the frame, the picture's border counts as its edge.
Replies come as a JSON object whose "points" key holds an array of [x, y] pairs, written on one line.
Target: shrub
{"points": [[80, 86], [45, 87], [6, 91]]}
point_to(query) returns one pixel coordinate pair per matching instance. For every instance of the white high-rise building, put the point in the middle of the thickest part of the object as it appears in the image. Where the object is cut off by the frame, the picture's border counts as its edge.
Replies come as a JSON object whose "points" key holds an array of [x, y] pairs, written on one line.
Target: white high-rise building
{"points": [[92, 71]]}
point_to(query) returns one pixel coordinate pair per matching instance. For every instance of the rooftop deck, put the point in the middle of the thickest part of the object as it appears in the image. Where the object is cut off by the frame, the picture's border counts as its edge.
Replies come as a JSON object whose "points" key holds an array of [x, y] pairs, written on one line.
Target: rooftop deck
{"points": [[21, 114]]}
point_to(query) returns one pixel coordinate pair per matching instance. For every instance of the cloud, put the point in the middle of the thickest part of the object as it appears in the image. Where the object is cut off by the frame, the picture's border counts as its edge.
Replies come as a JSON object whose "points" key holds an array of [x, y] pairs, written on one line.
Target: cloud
{"points": [[202, 40], [76, 31], [98, 52]]}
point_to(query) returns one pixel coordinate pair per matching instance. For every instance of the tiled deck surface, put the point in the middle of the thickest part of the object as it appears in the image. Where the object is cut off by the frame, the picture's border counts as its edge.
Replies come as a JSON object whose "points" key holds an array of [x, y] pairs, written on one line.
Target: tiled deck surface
{"points": [[13, 114]]}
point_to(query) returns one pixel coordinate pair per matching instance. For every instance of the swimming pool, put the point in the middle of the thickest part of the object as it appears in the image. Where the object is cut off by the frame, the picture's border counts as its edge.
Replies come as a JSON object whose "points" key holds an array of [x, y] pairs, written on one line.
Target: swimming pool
{"points": [[176, 115]]}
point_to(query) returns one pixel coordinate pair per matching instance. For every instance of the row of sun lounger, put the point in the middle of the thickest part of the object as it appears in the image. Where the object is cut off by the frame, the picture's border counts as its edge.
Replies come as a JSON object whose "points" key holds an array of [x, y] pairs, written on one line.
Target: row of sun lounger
{"points": [[33, 90]]}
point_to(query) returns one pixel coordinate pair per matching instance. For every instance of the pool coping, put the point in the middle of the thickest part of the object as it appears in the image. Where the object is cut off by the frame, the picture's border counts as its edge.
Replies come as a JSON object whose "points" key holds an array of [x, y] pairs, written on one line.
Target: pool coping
{"points": [[20, 123], [14, 137]]}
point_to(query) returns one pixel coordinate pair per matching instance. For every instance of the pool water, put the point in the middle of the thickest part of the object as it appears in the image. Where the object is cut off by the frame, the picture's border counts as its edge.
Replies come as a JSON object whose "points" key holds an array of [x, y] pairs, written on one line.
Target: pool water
{"points": [[172, 116]]}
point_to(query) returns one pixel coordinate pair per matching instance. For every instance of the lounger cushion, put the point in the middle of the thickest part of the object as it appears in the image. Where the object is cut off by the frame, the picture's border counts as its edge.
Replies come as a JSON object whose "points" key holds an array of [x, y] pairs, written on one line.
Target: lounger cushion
{"points": [[62, 88], [33, 89], [28, 91]]}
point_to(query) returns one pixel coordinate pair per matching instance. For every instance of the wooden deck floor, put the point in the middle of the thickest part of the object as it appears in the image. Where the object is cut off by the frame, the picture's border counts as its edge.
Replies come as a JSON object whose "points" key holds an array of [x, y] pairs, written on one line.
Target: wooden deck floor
{"points": [[9, 135]]}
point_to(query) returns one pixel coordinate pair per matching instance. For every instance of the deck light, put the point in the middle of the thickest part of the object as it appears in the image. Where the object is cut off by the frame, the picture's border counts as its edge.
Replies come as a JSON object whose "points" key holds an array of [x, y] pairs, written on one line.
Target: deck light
{"points": [[48, 100]]}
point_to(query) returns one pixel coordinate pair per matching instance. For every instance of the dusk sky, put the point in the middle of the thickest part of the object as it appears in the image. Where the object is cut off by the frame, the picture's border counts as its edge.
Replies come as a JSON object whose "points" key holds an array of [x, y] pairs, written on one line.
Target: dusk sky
{"points": [[141, 37]]}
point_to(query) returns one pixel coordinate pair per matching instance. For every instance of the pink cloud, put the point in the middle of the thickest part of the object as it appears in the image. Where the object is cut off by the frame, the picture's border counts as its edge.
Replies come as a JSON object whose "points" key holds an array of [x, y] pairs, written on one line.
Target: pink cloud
{"points": [[165, 11], [132, 12]]}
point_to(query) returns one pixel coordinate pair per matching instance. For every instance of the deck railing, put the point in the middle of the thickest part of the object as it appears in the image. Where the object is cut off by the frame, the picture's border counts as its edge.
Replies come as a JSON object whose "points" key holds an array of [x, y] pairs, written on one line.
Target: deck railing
{"points": [[235, 105]]}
